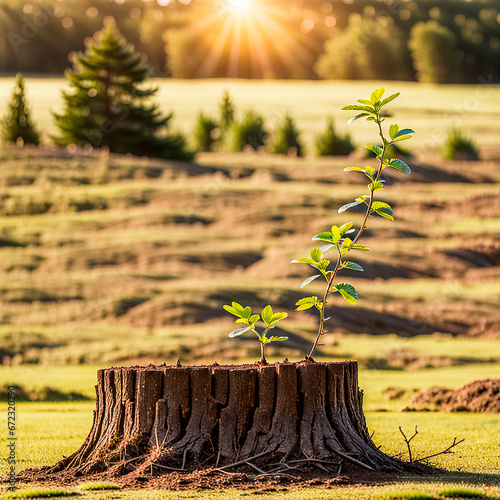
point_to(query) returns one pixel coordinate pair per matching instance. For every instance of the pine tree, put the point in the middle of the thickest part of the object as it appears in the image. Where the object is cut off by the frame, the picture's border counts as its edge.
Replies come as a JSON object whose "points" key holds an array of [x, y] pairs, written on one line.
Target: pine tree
{"points": [[110, 106], [17, 126]]}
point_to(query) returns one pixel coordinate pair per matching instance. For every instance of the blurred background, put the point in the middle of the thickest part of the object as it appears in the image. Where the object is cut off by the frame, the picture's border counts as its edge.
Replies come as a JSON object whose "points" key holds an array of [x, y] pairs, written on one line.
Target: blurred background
{"points": [[426, 40]]}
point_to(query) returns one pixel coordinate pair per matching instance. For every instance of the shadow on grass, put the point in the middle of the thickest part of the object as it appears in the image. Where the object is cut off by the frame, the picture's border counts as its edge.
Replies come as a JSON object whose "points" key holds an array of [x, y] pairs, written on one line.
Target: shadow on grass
{"points": [[464, 478]]}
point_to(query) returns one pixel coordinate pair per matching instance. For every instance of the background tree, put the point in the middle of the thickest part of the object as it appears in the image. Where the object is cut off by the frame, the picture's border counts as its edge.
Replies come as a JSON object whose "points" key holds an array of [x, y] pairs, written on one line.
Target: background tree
{"points": [[331, 143], [367, 49], [433, 51], [286, 139], [17, 126], [109, 104]]}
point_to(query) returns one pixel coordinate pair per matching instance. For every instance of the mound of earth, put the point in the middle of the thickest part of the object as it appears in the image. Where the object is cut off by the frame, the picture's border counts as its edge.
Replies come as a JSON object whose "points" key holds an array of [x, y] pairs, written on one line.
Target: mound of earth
{"points": [[479, 396]]}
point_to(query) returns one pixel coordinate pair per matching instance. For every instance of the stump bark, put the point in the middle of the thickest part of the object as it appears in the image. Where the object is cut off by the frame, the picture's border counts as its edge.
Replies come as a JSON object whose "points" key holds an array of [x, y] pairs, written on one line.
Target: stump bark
{"points": [[184, 418]]}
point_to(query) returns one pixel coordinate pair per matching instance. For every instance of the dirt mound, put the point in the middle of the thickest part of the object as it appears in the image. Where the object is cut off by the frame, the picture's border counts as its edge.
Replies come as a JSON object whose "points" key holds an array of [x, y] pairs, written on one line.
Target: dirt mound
{"points": [[479, 396], [478, 255], [478, 205]]}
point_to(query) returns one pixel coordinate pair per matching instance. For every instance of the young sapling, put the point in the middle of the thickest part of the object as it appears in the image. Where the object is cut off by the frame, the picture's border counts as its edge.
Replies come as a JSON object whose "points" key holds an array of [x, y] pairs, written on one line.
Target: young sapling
{"points": [[245, 316], [337, 237]]}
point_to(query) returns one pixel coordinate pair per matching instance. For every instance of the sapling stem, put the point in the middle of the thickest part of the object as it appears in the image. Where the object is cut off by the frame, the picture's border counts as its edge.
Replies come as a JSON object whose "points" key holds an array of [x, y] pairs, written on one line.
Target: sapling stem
{"points": [[371, 110]]}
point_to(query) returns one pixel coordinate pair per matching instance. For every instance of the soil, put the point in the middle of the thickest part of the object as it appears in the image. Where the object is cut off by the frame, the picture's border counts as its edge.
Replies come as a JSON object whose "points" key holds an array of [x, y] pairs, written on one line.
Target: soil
{"points": [[479, 396], [243, 478]]}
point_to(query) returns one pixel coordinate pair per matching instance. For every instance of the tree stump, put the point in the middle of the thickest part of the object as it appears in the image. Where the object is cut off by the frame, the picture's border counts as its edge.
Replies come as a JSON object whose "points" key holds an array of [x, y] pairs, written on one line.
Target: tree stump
{"points": [[185, 418]]}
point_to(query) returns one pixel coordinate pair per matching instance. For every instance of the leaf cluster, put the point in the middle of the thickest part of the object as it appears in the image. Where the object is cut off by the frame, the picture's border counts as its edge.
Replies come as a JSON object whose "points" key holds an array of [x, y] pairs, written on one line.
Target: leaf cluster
{"points": [[245, 316]]}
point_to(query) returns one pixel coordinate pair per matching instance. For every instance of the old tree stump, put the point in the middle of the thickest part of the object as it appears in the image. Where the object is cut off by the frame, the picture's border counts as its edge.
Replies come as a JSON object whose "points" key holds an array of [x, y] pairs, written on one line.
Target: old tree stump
{"points": [[161, 418]]}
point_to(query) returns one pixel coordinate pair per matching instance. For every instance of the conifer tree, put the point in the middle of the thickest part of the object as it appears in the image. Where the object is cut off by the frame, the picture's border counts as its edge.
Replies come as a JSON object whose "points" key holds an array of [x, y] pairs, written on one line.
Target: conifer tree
{"points": [[109, 105], [17, 126]]}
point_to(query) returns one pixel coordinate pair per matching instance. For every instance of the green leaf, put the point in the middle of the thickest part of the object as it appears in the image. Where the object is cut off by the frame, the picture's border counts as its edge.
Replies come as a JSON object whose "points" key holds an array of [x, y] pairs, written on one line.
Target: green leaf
{"points": [[357, 117], [246, 312], [238, 307], [404, 131], [344, 228], [345, 246], [325, 248], [365, 101], [350, 205], [358, 246], [357, 107], [316, 254], [253, 319], [375, 149], [324, 236], [403, 138], [243, 320], [277, 317], [387, 100], [308, 280], [348, 292], [376, 95], [277, 339], [375, 186], [399, 165], [233, 310], [352, 265], [336, 234], [370, 171], [356, 169], [393, 130], [383, 209], [323, 265], [267, 314], [239, 331], [306, 303], [303, 261]]}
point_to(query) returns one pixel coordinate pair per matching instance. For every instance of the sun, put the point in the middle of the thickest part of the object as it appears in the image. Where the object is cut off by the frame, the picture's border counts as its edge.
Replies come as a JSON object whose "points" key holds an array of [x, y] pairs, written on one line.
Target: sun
{"points": [[239, 5]]}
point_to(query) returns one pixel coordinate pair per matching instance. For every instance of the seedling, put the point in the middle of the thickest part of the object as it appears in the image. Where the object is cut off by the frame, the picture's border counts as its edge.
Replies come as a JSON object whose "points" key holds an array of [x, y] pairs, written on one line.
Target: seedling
{"points": [[245, 316], [337, 237]]}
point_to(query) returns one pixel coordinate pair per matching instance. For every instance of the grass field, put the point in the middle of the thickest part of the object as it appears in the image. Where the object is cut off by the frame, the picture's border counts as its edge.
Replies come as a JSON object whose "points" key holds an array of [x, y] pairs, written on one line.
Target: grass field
{"points": [[108, 260], [429, 109]]}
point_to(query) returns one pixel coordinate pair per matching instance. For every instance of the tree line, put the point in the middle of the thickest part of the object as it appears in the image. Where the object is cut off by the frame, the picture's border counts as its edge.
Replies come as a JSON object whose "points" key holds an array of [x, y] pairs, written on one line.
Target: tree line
{"points": [[427, 40]]}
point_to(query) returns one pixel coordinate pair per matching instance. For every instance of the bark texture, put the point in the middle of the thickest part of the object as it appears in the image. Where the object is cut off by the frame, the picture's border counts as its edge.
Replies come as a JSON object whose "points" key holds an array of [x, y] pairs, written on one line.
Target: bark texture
{"points": [[185, 418]]}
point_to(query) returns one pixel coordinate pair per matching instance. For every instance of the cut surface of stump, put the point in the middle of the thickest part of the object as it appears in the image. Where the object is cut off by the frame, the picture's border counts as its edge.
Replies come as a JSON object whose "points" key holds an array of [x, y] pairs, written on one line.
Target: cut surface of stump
{"points": [[173, 418]]}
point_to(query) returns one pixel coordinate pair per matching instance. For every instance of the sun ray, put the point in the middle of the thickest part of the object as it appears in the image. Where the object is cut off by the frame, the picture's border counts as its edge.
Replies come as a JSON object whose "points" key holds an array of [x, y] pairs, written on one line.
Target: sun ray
{"points": [[213, 57], [262, 59], [234, 57]]}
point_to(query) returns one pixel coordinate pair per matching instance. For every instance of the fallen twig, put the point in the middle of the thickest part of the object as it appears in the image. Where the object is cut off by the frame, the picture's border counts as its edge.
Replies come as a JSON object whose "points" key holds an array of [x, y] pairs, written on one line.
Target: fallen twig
{"points": [[452, 445], [408, 440], [243, 462], [302, 460], [164, 467], [254, 467], [353, 460], [184, 455]]}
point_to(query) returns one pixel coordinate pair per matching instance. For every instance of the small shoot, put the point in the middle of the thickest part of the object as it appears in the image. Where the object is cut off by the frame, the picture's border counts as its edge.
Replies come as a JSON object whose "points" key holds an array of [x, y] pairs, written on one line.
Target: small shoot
{"points": [[267, 316], [337, 238]]}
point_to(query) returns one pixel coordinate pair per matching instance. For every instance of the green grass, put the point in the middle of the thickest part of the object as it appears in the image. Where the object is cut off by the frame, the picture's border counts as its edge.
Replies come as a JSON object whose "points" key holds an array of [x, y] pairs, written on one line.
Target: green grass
{"points": [[460, 493], [413, 488], [421, 106], [99, 486], [408, 495], [42, 494]]}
